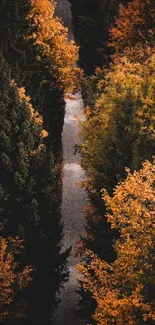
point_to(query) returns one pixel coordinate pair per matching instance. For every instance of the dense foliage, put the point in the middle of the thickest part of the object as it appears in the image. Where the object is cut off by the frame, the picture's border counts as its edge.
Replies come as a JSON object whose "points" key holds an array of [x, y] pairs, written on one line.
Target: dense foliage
{"points": [[118, 131], [38, 66], [38, 69], [35, 43], [12, 279], [124, 289], [138, 31], [29, 205]]}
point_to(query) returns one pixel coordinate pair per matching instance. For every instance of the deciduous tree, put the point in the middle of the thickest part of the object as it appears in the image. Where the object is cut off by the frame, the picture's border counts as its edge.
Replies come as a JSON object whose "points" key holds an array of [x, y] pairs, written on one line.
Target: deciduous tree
{"points": [[118, 132], [124, 289], [133, 31], [12, 278]]}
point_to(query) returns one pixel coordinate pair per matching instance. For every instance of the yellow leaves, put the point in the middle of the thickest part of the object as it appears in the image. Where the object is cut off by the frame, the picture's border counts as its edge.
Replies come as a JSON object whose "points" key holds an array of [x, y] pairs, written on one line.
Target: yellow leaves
{"points": [[128, 97], [52, 38], [38, 149], [12, 279], [44, 134], [121, 290], [34, 115], [133, 25], [25, 277], [26, 99], [21, 94], [137, 197]]}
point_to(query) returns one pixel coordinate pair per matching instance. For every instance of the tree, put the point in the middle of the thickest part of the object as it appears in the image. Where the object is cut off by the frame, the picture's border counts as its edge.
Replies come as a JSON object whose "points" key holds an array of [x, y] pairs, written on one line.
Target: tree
{"points": [[35, 21], [52, 39], [41, 58], [56, 57], [12, 278], [116, 129], [133, 31], [117, 133], [21, 136], [91, 23], [29, 204], [124, 289]]}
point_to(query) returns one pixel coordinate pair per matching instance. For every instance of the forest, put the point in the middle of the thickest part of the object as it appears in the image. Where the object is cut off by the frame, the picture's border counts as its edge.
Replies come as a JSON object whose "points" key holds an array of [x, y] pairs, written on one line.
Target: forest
{"points": [[112, 62]]}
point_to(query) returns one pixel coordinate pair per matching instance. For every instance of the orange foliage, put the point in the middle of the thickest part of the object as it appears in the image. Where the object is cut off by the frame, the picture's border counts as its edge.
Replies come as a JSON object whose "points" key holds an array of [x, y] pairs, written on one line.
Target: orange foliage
{"points": [[135, 25], [12, 280], [124, 290], [52, 38]]}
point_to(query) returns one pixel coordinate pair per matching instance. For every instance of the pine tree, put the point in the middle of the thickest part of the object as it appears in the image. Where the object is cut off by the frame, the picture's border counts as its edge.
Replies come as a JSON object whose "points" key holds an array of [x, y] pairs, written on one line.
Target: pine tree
{"points": [[29, 205], [41, 58], [91, 22]]}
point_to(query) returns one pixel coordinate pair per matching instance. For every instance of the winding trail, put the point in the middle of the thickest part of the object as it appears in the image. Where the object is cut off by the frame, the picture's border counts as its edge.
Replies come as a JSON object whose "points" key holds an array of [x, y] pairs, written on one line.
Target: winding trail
{"points": [[73, 197]]}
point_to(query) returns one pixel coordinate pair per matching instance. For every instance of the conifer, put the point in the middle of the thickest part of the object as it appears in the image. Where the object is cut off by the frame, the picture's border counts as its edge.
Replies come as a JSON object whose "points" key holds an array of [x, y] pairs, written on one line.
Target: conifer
{"points": [[29, 205]]}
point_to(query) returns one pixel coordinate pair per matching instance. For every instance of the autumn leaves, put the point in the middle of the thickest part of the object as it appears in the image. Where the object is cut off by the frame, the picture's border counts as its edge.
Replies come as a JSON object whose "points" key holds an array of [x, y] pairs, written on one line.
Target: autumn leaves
{"points": [[123, 289], [51, 37], [119, 131], [34, 76]]}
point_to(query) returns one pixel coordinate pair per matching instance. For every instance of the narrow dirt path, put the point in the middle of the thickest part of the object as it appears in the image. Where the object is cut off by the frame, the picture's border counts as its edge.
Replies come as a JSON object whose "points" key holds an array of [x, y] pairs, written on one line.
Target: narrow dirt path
{"points": [[73, 197]]}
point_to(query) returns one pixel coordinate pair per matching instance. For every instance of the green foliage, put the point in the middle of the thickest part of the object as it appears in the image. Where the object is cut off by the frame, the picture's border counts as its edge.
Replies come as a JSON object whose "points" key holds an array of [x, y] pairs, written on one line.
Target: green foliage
{"points": [[20, 136], [29, 205], [40, 57]]}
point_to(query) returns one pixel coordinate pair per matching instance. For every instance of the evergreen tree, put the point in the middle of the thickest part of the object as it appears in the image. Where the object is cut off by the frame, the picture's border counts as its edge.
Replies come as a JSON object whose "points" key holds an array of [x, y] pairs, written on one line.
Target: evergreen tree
{"points": [[29, 205], [91, 22], [41, 58]]}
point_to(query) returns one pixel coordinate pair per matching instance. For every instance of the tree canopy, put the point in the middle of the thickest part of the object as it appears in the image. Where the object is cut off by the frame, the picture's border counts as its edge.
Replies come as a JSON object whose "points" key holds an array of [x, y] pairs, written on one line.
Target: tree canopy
{"points": [[12, 278], [134, 25], [124, 289], [29, 204], [51, 38], [119, 131]]}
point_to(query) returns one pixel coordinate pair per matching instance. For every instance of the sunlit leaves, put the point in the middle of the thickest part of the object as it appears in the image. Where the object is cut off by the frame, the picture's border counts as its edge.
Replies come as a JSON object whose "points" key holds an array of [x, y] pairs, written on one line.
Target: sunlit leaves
{"points": [[122, 119], [12, 278], [134, 26], [124, 290], [51, 37]]}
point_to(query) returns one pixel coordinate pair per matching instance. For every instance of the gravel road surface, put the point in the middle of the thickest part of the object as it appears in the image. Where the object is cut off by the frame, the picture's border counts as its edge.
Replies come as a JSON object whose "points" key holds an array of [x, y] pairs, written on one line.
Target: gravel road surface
{"points": [[73, 200], [73, 197]]}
